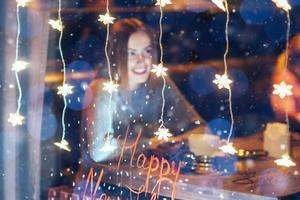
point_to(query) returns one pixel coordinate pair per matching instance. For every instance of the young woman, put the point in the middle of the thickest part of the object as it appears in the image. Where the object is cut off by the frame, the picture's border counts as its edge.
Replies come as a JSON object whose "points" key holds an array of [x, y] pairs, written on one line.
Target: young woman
{"points": [[138, 102]]}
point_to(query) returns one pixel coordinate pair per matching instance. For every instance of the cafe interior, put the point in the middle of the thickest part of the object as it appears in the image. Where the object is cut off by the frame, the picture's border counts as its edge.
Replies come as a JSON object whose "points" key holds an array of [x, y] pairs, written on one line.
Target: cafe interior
{"points": [[234, 66]]}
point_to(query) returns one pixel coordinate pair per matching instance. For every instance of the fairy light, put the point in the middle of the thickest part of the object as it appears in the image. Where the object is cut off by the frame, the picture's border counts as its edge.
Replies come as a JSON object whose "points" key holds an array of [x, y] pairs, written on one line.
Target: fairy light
{"points": [[285, 161], [109, 86], [162, 133], [16, 119], [283, 89], [64, 89], [222, 81]]}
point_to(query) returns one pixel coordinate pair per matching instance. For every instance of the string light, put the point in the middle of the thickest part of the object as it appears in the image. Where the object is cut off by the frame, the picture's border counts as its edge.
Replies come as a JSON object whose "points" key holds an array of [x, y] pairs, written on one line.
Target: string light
{"points": [[64, 89], [106, 19], [228, 148], [282, 90], [16, 118], [19, 65], [222, 81], [220, 4], [110, 87], [162, 133], [283, 4], [56, 24], [159, 70], [285, 161], [163, 3], [22, 3]]}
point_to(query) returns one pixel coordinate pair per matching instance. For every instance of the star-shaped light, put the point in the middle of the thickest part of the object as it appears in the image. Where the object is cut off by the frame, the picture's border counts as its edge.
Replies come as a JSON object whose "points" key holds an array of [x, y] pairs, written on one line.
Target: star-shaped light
{"points": [[222, 81], [285, 161], [110, 87], [19, 65], [56, 24], [220, 4], [65, 89], [163, 134], [22, 3], [282, 89], [228, 148], [63, 144], [159, 70], [163, 3], [284, 4], [16, 119], [106, 19]]}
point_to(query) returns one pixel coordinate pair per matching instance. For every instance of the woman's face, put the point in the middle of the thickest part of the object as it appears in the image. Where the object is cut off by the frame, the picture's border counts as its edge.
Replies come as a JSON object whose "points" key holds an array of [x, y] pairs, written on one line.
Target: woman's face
{"points": [[139, 59]]}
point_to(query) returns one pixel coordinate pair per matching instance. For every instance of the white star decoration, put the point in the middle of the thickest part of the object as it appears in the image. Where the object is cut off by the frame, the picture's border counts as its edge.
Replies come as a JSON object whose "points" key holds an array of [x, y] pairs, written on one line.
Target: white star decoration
{"points": [[163, 134], [228, 148], [220, 4], [106, 19], [285, 161], [222, 81], [282, 89], [16, 119], [56, 24], [65, 89], [22, 3], [284, 4], [162, 3], [110, 87], [19, 65], [159, 70], [63, 144]]}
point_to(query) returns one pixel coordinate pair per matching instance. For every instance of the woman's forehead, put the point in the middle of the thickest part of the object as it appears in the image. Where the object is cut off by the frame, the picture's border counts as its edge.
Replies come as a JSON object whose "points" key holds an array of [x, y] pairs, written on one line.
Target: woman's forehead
{"points": [[139, 40]]}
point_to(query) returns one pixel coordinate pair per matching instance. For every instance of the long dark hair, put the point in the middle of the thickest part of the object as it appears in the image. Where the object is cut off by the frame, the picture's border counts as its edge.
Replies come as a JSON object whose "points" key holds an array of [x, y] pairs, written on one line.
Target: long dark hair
{"points": [[118, 46]]}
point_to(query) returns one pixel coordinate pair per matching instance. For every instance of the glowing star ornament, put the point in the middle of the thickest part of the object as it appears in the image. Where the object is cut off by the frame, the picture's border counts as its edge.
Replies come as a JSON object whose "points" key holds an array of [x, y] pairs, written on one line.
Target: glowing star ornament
{"points": [[65, 89], [106, 19], [163, 134], [22, 3], [110, 87], [16, 119], [220, 4], [282, 89], [283, 4], [63, 144], [56, 24], [163, 3], [159, 70], [285, 161], [228, 148], [222, 81], [19, 65]]}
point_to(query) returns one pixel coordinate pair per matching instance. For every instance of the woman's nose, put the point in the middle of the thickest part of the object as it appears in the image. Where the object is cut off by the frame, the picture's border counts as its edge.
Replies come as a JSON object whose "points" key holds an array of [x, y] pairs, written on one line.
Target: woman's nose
{"points": [[141, 57]]}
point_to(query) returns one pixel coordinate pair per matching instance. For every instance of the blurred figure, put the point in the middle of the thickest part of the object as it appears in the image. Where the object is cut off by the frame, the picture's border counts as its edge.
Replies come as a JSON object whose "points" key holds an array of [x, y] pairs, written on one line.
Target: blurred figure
{"points": [[291, 104]]}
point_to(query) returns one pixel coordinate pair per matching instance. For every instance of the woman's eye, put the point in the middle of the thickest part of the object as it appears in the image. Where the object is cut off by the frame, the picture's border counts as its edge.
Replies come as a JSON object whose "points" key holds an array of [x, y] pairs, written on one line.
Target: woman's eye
{"points": [[131, 53]]}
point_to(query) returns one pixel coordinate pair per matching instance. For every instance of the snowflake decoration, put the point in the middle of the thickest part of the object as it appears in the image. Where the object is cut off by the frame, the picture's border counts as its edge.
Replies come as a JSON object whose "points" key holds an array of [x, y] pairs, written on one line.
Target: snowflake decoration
{"points": [[228, 148], [220, 4], [65, 89], [222, 81], [16, 119], [22, 3], [285, 161], [19, 65], [163, 134], [110, 87], [282, 89], [163, 3], [63, 144], [56, 24], [284, 4], [159, 70], [106, 19]]}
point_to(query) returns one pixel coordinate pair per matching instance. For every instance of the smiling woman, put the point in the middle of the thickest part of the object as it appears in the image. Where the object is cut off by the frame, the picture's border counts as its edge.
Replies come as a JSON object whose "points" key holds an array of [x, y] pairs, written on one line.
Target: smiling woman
{"points": [[137, 105]]}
